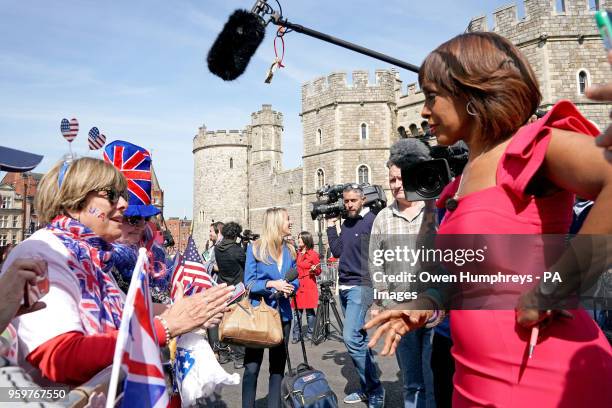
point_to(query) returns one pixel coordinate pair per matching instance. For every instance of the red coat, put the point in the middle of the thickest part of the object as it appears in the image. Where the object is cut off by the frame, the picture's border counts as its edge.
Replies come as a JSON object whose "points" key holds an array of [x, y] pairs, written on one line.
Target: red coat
{"points": [[307, 295]]}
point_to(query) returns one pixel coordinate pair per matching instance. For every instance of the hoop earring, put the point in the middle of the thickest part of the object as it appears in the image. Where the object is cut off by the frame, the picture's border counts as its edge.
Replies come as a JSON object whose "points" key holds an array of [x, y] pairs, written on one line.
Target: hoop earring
{"points": [[469, 107]]}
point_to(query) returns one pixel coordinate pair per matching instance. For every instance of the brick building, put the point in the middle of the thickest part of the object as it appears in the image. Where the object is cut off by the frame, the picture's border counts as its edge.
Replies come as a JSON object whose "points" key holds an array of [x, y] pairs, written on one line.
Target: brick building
{"points": [[17, 215]]}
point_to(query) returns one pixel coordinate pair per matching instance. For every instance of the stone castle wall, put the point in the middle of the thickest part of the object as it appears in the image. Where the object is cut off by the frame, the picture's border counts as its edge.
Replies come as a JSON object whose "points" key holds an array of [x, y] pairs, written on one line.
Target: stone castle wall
{"points": [[220, 179]]}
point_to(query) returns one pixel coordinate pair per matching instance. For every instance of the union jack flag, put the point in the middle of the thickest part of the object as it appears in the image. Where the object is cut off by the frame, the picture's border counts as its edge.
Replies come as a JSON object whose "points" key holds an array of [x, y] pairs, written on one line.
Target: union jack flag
{"points": [[145, 385], [69, 129], [135, 164], [96, 139], [192, 272]]}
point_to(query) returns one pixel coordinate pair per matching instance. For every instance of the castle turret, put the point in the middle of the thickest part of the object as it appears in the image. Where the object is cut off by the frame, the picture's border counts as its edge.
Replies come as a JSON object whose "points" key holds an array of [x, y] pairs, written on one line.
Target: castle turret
{"points": [[265, 134], [348, 129], [220, 179]]}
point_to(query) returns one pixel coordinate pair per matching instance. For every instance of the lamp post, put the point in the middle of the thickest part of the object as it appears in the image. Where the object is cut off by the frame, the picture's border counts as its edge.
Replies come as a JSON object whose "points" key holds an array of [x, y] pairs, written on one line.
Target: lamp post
{"points": [[24, 177]]}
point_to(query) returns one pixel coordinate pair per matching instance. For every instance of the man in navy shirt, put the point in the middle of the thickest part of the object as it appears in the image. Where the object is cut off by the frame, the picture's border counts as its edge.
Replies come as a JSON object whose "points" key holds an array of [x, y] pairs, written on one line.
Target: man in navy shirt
{"points": [[356, 292]]}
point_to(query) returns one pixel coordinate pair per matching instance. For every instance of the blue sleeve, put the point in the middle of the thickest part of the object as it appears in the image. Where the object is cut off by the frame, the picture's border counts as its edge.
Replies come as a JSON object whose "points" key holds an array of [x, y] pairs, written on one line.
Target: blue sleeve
{"points": [[335, 242], [257, 286]]}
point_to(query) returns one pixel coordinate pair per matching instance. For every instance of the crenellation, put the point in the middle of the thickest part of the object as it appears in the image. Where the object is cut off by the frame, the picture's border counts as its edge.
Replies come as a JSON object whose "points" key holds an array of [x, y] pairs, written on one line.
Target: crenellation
{"points": [[360, 79], [477, 24], [506, 15], [337, 80]]}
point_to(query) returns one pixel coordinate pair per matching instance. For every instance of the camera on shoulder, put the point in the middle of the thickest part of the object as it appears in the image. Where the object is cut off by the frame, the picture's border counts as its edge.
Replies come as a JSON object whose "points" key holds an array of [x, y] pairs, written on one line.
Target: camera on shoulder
{"points": [[330, 202]]}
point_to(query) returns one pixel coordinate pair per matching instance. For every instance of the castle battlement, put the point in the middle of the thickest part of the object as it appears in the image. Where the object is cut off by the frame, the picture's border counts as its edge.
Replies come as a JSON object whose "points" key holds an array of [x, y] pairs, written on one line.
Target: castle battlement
{"points": [[541, 17], [266, 116], [206, 138], [360, 79]]}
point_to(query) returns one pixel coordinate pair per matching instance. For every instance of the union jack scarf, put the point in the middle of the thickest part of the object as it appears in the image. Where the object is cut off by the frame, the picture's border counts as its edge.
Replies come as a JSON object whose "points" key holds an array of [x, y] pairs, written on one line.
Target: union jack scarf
{"points": [[89, 259]]}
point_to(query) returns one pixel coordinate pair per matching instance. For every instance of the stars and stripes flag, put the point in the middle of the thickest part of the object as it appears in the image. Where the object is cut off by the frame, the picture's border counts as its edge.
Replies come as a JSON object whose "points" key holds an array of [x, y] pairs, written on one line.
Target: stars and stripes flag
{"points": [[137, 348], [95, 139], [191, 272], [69, 129]]}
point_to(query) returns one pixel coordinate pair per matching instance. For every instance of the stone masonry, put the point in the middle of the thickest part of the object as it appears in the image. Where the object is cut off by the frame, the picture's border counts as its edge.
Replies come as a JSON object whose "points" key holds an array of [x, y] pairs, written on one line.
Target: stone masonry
{"points": [[349, 127]]}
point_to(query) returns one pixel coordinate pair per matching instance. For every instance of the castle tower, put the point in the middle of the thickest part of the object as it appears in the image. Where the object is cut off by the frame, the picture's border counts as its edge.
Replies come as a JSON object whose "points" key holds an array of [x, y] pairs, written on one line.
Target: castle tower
{"points": [[265, 135], [348, 130], [220, 180]]}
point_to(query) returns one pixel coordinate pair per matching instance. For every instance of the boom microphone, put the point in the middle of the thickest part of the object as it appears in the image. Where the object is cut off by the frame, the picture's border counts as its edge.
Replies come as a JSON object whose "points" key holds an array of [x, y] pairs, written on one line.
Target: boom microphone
{"points": [[232, 50]]}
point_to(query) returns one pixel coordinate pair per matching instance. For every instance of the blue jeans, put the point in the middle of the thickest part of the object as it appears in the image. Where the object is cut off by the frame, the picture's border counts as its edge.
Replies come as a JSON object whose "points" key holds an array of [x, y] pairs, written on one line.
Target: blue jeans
{"points": [[355, 303], [310, 318], [414, 360]]}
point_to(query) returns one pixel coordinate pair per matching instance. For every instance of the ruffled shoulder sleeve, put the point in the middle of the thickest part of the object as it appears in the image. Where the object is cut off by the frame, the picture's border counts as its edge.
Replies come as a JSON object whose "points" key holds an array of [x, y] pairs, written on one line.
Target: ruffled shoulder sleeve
{"points": [[527, 150]]}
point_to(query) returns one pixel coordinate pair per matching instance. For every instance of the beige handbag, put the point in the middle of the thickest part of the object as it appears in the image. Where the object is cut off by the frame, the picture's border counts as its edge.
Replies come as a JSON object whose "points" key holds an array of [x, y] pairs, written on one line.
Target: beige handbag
{"points": [[251, 326]]}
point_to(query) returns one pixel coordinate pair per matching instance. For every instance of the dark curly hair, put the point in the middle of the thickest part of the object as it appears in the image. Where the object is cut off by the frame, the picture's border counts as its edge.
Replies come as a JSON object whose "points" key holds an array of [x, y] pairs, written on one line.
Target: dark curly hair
{"points": [[231, 230]]}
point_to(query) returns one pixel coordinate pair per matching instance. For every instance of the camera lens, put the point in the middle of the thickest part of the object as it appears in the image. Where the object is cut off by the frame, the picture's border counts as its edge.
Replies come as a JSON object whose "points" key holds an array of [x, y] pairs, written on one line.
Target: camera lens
{"points": [[428, 182]]}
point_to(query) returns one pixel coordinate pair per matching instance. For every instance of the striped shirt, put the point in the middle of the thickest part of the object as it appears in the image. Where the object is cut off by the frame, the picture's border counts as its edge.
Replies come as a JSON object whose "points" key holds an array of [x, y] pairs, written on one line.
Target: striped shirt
{"points": [[392, 229]]}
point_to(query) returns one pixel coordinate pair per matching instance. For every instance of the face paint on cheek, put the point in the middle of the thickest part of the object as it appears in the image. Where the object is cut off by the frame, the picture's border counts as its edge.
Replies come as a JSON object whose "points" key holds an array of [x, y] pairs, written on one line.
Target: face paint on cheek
{"points": [[96, 212]]}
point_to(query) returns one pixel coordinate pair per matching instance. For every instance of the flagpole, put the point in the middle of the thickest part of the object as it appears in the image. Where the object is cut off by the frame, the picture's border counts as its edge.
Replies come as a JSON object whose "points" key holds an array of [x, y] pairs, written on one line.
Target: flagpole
{"points": [[128, 311]]}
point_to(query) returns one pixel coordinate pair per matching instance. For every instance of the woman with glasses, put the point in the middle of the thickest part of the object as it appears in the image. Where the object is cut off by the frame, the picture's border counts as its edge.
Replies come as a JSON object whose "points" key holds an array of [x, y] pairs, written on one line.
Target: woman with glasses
{"points": [[83, 204], [267, 262], [134, 162]]}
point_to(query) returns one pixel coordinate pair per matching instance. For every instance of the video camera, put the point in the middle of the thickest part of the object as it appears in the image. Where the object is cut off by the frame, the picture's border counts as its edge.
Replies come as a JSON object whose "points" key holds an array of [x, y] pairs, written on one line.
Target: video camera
{"points": [[248, 236], [427, 179], [330, 202]]}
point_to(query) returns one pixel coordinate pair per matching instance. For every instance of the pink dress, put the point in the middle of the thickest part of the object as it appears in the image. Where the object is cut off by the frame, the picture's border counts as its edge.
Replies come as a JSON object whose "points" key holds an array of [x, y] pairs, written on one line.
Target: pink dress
{"points": [[572, 363]]}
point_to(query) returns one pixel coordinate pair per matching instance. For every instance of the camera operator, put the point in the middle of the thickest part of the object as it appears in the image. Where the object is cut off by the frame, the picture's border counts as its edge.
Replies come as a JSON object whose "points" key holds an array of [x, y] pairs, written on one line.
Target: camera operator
{"points": [[356, 292], [404, 224]]}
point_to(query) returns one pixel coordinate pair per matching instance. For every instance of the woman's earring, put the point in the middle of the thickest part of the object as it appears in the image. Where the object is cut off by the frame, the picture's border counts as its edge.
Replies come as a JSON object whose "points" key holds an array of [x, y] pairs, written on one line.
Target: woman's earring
{"points": [[470, 109]]}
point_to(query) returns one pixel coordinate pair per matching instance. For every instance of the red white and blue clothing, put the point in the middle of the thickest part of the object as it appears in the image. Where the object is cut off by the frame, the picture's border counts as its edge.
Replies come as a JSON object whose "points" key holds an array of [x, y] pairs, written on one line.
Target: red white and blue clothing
{"points": [[74, 336]]}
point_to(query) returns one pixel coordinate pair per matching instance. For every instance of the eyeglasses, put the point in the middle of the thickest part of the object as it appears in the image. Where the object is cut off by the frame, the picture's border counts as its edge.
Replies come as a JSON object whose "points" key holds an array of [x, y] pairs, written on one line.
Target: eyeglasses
{"points": [[135, 219], [113, 195]]}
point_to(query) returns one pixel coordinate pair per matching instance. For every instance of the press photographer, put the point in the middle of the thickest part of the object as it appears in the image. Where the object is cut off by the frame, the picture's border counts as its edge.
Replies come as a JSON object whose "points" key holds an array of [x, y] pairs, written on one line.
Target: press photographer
{"points": [[355, 287], [330, 202]]}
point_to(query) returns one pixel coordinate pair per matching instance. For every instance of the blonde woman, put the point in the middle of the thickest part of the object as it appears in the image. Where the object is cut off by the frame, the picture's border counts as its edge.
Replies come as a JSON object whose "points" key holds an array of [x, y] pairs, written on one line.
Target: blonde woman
{"points": [[267, 262], [73, 337]]}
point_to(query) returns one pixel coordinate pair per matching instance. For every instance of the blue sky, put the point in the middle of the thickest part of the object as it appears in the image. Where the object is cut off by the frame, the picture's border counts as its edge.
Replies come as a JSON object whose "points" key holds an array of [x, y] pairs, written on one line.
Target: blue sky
{"points": [[137, 70]]}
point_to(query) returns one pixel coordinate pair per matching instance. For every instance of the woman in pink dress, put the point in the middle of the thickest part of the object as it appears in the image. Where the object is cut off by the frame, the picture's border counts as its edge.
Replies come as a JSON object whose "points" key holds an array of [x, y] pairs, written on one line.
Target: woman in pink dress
{"points": [[520, 179]]}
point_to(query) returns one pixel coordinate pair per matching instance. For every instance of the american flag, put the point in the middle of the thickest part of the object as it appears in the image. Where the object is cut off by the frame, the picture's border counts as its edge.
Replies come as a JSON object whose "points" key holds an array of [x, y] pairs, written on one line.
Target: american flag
{"points": [[96, 139], [177, 265], [69, 129], [192, 272], [145, 385]]}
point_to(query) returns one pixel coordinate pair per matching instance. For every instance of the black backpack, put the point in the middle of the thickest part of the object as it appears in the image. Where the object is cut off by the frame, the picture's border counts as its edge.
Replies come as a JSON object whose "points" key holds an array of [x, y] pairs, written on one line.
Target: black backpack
{"points": [[305, 387]]}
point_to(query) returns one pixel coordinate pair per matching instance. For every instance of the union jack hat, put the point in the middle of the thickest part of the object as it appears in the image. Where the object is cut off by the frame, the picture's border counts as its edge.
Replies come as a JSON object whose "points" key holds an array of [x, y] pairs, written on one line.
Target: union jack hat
{"points": [[135, 164]]}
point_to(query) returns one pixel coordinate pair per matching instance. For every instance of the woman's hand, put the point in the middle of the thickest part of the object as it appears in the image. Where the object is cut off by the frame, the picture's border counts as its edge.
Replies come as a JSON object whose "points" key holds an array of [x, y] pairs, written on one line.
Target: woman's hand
{"points": [[12, 284], [281, 285], [393, 324], [529, 316], [204, 309]]}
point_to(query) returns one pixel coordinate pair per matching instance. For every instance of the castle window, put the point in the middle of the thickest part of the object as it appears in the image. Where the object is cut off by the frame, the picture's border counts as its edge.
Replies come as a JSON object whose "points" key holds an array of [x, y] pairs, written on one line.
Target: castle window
{"points": [[231, 163], [363, 131], [560, 6], [583, 81], [594, 5], [402, 132], [319, 138], [363, 174], [201, 216], [414, 131], [320, 179], [425, 127]]}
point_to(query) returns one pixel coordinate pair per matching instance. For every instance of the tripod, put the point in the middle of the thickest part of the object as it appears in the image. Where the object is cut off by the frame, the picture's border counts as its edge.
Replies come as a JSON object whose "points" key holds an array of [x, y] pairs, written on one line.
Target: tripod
{"points": [[323, 325]]}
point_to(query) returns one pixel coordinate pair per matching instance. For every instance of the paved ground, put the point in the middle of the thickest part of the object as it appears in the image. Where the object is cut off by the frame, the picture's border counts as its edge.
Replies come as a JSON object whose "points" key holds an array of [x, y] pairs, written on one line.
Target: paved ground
{"points": [[330, 357]]}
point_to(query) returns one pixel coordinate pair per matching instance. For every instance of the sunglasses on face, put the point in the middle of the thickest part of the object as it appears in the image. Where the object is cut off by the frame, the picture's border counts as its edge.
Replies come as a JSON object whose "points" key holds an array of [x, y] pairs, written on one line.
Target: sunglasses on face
{"points": [[113, 195], [135, 219]]}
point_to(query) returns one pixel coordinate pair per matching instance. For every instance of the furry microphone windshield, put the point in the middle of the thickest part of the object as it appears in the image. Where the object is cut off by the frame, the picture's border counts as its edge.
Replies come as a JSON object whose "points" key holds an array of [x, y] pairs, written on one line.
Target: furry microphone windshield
{"points": [[232, 50]]}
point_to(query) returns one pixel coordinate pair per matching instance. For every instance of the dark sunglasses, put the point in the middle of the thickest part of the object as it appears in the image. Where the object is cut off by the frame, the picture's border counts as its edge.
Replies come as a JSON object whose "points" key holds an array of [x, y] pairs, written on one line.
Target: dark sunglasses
{"points": [[113, 195], [135, 219]]}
